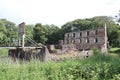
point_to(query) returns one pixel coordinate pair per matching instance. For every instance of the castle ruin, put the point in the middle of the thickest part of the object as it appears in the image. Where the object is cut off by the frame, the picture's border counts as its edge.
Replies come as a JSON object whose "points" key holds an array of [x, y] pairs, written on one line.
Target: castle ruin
{"points": [[86, 40]]}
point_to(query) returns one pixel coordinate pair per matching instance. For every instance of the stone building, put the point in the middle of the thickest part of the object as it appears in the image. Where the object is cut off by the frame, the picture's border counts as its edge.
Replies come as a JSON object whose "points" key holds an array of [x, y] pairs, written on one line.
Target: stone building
{"points": [[87, 39]]}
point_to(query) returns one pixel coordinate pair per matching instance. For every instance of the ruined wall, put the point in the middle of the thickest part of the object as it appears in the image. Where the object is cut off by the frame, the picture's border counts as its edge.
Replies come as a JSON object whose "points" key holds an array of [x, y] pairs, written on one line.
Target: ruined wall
{"points": [[19, 53], [87, 39]]}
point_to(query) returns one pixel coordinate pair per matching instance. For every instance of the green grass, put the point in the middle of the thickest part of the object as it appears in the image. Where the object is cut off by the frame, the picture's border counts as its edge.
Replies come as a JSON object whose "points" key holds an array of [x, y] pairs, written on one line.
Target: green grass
{"points": [[3, 52], [114, 51], [98, 67]]}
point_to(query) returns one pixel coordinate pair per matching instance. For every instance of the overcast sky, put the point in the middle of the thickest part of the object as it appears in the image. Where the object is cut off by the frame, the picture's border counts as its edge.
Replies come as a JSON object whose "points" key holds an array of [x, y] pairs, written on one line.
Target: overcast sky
{"points": [[56, 12]]}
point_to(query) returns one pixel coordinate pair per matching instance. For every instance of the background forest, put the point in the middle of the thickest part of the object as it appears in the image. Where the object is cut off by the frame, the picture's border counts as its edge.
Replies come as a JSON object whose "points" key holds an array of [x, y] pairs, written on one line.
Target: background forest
{"points": [[50, 34]]}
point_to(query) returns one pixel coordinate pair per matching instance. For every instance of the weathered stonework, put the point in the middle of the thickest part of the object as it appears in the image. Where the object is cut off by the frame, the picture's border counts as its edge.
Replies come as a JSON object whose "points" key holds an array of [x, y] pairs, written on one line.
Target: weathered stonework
{"points": [[87, 39]]}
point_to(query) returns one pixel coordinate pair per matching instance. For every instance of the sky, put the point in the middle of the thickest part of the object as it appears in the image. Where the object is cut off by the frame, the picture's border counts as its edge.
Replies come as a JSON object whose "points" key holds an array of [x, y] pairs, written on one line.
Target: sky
{"points": [[57, 12]]}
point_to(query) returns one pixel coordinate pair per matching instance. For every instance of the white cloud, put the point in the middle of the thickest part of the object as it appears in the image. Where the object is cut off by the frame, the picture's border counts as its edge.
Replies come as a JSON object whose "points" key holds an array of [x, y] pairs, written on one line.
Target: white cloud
{"points": [[55, 12]]}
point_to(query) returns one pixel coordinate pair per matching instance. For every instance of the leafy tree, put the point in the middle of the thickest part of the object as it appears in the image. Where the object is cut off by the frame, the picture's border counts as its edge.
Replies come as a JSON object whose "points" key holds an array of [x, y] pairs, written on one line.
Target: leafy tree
{"points": [[29, 30], [12, 32], [39, 33], [118, 39], [29, 33], [9, 30], [53, 34], [117, 18], [3, 32]]}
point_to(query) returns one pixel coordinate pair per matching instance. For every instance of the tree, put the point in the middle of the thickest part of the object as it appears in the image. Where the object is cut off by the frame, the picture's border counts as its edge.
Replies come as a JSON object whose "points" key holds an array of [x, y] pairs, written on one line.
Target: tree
{"points": [[29, 33], [29, 30], [117, 17], [53, 34], [9, 30], [118, 39], [3, 31], [39, 33]]}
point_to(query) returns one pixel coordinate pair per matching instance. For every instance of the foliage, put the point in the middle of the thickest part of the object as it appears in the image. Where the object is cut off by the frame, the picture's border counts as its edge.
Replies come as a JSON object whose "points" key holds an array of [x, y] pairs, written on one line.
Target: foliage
{"points": [[96, 51], [8, 32], [94, 68], [39, 34], [118, 37], [46, 34], [53, 34], [29, 30], [114, 51], [29, 33]]}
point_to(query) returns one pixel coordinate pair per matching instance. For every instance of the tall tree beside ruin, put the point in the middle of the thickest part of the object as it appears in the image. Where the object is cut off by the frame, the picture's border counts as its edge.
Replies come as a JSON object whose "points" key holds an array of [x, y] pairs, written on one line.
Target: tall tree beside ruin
{"points": [[53, 34], [39, 33]]}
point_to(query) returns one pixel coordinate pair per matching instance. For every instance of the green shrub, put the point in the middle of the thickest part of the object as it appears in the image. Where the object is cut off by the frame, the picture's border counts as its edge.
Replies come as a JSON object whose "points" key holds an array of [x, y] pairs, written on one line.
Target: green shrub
{"points": [[96, 51]]}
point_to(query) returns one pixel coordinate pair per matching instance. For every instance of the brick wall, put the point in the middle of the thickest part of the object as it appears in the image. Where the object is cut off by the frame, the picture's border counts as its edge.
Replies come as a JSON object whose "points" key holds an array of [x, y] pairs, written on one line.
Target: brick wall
{"points": [[87, 39]]}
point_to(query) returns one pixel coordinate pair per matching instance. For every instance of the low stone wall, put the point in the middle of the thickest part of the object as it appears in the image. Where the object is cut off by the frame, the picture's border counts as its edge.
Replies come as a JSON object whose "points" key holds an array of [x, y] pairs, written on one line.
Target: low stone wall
{"points": [[41, 54]]}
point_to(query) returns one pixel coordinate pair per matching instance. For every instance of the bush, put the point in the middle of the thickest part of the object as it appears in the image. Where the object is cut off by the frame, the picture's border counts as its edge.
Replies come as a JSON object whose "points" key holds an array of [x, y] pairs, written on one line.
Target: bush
{"points": [[96, 51]]}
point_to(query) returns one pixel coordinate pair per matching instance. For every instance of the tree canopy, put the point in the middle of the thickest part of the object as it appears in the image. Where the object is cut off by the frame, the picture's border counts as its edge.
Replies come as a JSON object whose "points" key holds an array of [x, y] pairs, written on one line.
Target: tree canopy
{"points": [[51, 34], [8, 31], [39, 33]]}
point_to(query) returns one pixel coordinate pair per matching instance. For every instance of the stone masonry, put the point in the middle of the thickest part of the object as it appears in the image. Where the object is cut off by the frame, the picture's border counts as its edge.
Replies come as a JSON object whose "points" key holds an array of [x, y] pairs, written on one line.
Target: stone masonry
{"points": [[87, 39]]}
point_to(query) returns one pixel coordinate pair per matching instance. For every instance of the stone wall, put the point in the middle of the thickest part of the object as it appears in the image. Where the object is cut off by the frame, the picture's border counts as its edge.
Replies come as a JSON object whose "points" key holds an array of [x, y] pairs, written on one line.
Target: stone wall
{"points": [[19, 53], [87, 39]]}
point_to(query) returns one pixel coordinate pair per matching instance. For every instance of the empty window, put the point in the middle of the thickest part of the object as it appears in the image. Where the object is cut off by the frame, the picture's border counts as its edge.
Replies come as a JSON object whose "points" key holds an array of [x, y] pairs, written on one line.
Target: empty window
{"points": [[73, 34], [80, 41], [67, 41], [96, 32], [87, 40], [73, 41], [87, 33], [80, 33], [68, 35], [96, 40]]}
